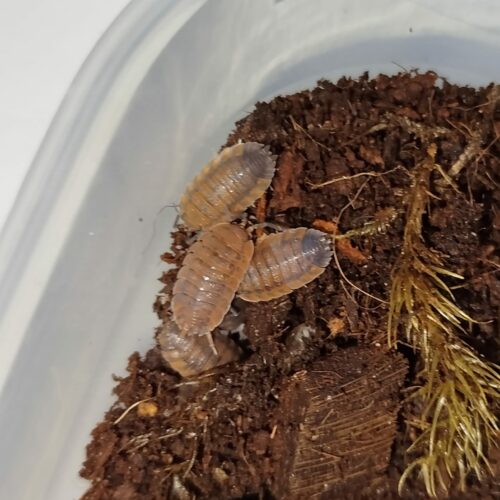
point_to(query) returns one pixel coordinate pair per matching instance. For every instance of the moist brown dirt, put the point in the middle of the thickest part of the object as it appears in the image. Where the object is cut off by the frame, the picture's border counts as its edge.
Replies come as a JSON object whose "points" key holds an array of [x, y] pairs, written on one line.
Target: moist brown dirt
{"points": [[313, 408]]}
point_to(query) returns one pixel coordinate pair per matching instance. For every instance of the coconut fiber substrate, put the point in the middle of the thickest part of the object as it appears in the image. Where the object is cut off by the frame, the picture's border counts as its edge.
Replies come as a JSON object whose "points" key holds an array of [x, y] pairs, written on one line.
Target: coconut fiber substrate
{"points": [[318, 405]]}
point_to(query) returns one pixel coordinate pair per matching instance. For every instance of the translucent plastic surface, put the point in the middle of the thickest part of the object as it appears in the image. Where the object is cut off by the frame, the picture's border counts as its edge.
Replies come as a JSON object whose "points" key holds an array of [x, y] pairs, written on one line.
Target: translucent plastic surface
{"points": [[79, 257]]}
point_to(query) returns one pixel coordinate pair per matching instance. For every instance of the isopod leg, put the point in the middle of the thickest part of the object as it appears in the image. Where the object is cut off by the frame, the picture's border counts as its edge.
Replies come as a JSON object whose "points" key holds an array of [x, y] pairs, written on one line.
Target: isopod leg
{"points": [[212, 344]]}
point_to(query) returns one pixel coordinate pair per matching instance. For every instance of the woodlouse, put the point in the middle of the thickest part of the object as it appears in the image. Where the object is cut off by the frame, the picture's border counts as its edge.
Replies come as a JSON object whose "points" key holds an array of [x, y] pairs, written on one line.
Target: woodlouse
{"points": [[193, 355], [209, 277], [227, 185], [285, 261]]}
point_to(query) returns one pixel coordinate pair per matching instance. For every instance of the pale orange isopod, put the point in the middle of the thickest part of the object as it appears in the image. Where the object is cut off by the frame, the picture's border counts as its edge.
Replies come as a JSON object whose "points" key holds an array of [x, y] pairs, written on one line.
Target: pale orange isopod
{"points": [[190, 356], [209, 277], [285, 261], [227, 185]]}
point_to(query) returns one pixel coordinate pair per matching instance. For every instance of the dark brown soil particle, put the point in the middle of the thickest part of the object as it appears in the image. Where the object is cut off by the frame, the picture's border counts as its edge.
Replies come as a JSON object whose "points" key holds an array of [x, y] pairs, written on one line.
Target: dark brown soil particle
{"points": [[313, 408]]}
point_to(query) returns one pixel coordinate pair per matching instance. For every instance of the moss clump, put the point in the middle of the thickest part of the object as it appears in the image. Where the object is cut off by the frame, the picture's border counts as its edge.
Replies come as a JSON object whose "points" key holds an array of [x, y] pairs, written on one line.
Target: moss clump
{"points": [[457, 388]]}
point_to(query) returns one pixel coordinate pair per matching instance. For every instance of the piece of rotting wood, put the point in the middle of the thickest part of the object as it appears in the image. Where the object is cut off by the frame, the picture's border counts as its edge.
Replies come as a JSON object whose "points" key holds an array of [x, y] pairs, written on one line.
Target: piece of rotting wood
{"points": [[350, 402]]}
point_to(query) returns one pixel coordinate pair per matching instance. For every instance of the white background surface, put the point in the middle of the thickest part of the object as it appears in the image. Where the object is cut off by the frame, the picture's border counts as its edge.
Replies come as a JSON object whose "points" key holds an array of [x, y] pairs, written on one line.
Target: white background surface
{"points": [[43, 44]]}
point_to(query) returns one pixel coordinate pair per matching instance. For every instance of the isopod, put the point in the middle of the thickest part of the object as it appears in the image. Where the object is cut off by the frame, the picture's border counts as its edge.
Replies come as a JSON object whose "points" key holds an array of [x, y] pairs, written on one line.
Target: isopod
{"points": [[227, 185], [285, 261], [191, 356], [209, 277]]}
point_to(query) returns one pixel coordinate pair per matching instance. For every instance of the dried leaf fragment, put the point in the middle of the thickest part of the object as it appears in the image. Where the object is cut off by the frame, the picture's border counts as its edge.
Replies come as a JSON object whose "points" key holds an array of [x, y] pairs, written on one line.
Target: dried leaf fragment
{"points": [[345, 247], [354, 254], [327, 226], [371, 155]]}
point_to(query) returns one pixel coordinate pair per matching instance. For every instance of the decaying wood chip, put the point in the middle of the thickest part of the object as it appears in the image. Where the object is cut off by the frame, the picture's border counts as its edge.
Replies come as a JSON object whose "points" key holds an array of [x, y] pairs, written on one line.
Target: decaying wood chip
{"points": [[344, 442], [287, 192]]}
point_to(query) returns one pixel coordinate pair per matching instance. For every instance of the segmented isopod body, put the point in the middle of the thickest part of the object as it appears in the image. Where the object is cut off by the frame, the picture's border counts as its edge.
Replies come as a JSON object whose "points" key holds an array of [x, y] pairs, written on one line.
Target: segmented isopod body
{"points": [[227, 185], [193, 355], [209, 277], [285, 261]]}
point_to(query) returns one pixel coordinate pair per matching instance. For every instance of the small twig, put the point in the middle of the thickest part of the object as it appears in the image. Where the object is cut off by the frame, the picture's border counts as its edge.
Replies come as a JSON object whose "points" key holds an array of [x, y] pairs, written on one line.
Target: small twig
{"points": [[139, 442], [496, 184], [466, 156], [349, 177], [335, 256], [299, 128], [327, 416], [273, 432], [446, 178], [171, 434], [326, 454], [129, 409], [400, 66], [251, 468], [471, 150], [348, 293], [198, 379], [375, 128], [192, 459], [351, 283], [354, 301], [187, 382], [424, 132], [493, 263], [468, 131]]}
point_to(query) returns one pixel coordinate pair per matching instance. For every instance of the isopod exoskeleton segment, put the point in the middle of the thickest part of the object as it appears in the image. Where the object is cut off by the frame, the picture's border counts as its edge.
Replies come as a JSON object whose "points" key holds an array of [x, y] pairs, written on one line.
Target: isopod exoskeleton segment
{"points": [[227, 185], [190, 356], [285, 261], [209, 277]]}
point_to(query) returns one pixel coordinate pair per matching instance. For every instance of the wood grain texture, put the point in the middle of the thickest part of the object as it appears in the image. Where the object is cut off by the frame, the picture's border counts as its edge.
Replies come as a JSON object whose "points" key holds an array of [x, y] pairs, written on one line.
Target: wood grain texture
{"points": [[349, 424]]}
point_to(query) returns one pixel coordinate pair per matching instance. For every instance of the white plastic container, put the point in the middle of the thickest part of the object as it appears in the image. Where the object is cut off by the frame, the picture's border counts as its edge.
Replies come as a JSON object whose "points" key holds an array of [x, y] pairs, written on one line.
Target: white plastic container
{"points": [[79, 257]]}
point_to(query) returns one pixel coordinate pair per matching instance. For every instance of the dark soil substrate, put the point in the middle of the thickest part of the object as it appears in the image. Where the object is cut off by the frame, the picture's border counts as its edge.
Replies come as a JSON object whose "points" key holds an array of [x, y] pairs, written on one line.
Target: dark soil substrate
{"points": [[314, 408]]}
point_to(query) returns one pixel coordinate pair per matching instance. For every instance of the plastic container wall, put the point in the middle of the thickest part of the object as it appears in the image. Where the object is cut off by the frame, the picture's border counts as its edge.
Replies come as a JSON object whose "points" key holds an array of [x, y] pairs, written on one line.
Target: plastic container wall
{"points": [[79, 257]]}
